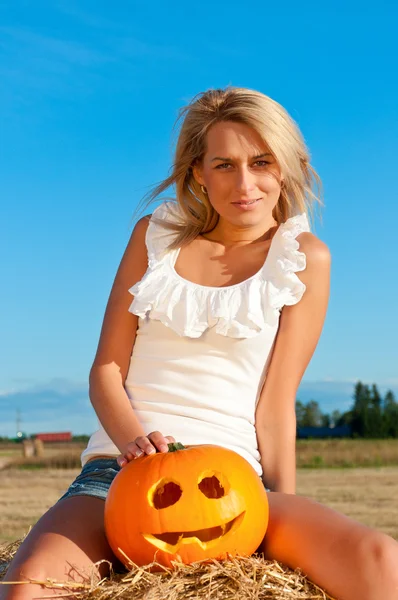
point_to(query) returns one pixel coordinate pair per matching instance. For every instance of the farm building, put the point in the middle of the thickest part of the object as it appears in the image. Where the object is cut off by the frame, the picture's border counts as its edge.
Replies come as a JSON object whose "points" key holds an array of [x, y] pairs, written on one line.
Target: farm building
{"points": [[60, 436], [324, 432]]}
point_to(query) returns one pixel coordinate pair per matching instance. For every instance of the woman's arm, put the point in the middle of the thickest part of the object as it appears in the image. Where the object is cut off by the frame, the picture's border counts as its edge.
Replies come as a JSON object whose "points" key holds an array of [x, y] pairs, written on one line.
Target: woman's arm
{"points": [[298, 334], [111, 363]]}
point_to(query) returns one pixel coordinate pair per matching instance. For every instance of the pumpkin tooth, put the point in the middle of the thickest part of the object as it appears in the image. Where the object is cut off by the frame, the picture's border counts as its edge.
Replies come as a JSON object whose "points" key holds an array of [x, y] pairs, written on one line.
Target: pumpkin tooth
{"points": [[171, 537], [206, 535]]}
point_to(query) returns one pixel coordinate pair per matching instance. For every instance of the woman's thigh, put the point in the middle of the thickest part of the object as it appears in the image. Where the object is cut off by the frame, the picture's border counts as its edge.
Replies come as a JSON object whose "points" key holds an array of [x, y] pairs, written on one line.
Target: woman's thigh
{"points": [[343, 556], [68, 539]]}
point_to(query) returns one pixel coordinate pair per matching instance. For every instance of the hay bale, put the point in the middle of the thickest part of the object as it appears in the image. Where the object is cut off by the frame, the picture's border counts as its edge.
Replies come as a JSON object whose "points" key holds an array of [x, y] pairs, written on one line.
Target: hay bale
{"points": [[39, 447], [244, 578], [28, 448]]}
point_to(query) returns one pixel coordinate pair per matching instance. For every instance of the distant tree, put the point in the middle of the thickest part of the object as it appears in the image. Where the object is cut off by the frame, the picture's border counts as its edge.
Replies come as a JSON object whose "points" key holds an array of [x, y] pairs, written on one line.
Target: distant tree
{"points": [[375, 397], [376, 421], [300, 413], [325, 420], [360, 421], [389, 400], [80, 438], [335, 417], [361, 397], [312, 414], [345, 419], [390, 415]]}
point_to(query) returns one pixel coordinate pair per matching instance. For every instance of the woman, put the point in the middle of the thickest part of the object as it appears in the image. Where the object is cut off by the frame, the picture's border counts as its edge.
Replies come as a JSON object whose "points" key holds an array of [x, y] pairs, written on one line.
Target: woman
{"points": [[230, 290]]}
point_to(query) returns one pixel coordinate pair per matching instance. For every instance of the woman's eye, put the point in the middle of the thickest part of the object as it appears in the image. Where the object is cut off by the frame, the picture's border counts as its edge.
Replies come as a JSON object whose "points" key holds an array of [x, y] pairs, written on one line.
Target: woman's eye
{"points": [[261, 163]]}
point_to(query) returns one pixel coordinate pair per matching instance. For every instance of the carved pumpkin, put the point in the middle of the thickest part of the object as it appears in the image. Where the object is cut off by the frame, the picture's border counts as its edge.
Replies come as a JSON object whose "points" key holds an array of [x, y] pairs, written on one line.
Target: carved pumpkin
{"points": [[188, 504]]}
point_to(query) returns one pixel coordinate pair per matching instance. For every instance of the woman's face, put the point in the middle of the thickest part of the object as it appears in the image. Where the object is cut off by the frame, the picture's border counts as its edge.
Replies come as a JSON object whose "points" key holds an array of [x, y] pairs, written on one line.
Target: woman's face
{"points": [[240, 174]]}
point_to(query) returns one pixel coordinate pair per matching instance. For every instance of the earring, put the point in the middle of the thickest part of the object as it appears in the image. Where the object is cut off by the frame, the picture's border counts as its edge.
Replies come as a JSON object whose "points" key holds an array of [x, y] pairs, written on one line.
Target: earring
{"points": [[202, 187]]}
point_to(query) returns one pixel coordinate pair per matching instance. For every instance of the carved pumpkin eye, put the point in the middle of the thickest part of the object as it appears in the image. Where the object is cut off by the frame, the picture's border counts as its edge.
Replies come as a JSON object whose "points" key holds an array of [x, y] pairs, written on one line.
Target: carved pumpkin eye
{"points": [[213, 485], [164, 493]]}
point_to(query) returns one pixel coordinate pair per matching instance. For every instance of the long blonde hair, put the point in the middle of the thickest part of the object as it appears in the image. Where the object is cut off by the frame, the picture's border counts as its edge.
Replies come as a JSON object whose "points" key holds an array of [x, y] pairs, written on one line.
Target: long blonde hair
{"points": [[277, 129]]}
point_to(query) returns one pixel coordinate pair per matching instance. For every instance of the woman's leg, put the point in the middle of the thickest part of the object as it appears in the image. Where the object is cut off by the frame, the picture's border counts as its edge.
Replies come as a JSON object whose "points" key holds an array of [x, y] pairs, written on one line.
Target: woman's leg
{"points": [[349, 560], [71, 534]]}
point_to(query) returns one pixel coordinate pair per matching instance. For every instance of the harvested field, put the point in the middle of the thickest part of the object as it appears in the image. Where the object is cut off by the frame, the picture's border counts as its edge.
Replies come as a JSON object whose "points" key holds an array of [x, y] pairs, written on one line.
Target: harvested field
{"points": [[368, 495], [347, 453]]}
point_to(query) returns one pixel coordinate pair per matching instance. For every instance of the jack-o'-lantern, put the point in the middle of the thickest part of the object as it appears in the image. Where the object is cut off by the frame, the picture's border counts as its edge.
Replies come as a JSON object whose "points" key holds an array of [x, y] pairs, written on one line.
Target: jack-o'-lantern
{"points": [[186, 505]]}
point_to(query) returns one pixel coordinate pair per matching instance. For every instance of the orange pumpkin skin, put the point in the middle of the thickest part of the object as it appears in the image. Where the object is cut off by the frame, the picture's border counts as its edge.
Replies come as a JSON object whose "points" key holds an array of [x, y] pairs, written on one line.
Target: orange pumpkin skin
{"points": [[187, 505]]}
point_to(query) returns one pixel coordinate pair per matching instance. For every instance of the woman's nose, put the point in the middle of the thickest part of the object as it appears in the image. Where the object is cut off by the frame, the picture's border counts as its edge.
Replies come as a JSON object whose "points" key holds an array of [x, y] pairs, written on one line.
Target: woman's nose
{"points": [[244, 180]]}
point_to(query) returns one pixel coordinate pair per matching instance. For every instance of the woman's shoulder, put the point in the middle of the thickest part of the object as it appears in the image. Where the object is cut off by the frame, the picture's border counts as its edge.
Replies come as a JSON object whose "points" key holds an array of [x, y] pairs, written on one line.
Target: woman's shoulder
{"points": [[317, 259], [297, 236], [295, 258], [168, 212], [316, 251], [155, 230], [165, 213]]}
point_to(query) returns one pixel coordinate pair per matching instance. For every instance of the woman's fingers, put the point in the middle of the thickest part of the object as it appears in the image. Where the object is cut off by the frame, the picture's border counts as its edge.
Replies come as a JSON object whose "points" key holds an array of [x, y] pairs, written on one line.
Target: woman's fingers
{"points": [[122, 460], [133, 451], [159, 441], [139, 447], [145, 445]]}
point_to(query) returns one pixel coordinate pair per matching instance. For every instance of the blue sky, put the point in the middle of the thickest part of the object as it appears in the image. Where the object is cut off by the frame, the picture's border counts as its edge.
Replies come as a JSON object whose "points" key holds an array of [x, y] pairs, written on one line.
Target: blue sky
{"points": [[90, 92]]}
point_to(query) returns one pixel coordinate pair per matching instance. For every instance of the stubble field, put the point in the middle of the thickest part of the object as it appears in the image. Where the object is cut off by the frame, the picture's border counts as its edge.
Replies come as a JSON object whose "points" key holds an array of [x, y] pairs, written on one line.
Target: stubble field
{"points": [[365, 494]]}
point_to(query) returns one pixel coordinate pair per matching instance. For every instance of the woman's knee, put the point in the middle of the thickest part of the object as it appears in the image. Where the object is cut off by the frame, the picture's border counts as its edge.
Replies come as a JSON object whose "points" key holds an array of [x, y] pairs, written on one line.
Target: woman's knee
{"points": [[25, 573], [64, 544], [379, 555], [36, 573]]}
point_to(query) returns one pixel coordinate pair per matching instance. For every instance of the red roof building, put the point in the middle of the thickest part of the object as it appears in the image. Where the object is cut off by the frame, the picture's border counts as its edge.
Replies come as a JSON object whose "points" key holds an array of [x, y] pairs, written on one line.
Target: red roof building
{"points": [[62, 436]]}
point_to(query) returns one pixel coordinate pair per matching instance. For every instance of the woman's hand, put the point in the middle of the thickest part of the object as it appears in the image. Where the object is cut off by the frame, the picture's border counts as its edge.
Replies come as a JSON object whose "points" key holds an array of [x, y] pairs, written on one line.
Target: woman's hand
{"points": [[155, 441]]}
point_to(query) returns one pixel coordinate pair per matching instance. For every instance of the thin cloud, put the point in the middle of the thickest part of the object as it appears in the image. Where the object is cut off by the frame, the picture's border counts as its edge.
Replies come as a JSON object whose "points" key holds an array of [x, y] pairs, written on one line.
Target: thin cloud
{"points": [[119, 37], [132, 47], [90, 19], [31, 46], [33, 61], [34, 64], [334, 380], [6, 393]]}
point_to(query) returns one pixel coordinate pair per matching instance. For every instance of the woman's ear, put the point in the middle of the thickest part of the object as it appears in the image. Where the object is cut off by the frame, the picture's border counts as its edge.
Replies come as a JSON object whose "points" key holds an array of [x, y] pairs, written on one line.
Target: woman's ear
{"points": [[197, 173]]}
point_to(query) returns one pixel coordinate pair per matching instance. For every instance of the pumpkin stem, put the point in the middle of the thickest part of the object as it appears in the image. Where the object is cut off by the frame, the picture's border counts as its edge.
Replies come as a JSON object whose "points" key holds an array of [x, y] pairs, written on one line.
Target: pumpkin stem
{"points": [[175, 446]]}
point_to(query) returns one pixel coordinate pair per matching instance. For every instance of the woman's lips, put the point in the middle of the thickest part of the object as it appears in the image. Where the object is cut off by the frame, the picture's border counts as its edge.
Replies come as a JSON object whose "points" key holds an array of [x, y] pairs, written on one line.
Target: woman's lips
{"points": [[247, 205]]}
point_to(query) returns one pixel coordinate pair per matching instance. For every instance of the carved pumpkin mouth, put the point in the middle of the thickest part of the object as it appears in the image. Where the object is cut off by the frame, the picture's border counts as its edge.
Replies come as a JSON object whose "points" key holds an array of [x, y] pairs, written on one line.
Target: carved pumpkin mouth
{"points": [[205, 538]]}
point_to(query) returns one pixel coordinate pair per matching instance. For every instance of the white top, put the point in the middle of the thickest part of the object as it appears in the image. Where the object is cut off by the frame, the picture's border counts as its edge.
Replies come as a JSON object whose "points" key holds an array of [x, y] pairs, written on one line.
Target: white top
{"points": [[201, 353]]}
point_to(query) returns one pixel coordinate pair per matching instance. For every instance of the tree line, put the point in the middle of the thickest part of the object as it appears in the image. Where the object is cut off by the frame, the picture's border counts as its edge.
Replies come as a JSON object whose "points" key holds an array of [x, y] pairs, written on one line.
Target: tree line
{"points": [[370, 416]]}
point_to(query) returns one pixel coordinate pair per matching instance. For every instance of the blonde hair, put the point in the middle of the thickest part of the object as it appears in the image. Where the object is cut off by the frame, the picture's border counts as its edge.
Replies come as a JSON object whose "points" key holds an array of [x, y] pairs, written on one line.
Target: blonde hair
{"points": [[277, 129]]}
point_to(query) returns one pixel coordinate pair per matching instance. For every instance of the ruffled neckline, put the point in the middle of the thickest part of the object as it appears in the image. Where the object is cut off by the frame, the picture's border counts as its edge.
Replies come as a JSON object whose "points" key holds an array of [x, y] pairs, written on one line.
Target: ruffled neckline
{"points": [[173, 261], [239, 310]]}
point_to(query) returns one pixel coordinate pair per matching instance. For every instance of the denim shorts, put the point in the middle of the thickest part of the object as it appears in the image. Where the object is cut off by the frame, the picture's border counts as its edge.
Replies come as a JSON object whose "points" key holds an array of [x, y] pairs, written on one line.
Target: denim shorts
{"points": [[95, 479]]}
